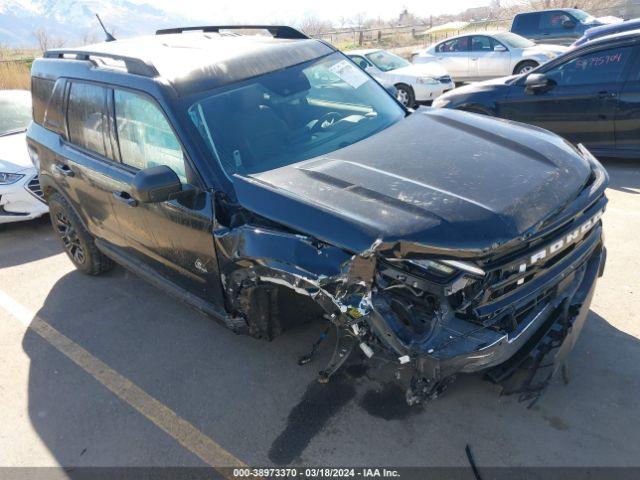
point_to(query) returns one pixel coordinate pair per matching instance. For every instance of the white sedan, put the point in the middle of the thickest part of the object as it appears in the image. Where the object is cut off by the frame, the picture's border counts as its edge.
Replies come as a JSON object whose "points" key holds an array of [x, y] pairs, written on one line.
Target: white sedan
{"points": [[20, 193], [482, 56], [414, 83]]}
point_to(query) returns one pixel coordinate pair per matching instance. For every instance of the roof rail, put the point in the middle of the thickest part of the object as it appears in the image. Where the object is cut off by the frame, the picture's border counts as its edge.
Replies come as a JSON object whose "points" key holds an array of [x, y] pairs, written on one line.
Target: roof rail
{"points": [[278, 31], [134, 65]]}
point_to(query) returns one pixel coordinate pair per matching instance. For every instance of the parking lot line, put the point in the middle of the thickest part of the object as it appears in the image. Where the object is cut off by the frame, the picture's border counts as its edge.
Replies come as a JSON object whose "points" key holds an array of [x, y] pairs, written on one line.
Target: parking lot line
{"points": [[162, 416]]}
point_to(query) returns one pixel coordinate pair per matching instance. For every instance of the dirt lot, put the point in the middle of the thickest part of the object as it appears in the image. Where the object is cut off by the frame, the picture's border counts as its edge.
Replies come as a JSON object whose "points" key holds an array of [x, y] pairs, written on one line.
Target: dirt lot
{"points": [[128, 376]]}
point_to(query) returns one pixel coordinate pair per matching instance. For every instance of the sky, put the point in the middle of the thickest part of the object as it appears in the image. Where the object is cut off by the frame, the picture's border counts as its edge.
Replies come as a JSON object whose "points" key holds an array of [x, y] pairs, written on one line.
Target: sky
{"points": [[290, 11]]}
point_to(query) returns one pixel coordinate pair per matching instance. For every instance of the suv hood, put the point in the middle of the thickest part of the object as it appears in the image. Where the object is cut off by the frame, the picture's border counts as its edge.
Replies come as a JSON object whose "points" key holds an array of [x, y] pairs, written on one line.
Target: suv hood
{"points": [[14, 156], [441, 178]]}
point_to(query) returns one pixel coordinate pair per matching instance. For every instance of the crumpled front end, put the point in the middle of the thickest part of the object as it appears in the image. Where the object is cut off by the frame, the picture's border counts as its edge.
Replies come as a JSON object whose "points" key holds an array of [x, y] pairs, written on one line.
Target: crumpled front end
{"points": [[512, 310], [516, 321]]}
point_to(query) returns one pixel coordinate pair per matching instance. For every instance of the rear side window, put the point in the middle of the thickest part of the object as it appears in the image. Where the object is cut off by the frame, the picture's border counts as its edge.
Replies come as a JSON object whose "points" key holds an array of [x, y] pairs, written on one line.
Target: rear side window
{"points": [[41, 90], [455, 45], [145, 136], [85, 117], [525, 23], [603, 66]]}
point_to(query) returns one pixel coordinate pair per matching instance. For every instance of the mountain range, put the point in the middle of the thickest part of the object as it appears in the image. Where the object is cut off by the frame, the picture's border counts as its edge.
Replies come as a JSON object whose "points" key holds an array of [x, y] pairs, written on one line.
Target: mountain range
{"points": [[73, 22]]}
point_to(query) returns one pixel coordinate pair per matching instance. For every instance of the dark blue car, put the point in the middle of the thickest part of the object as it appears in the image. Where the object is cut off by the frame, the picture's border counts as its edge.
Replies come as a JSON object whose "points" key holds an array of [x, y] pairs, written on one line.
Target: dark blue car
{"points": [[604, 30]]}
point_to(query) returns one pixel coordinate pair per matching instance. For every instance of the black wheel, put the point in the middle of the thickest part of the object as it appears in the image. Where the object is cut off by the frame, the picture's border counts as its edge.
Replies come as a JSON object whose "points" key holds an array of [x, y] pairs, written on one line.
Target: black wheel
{"points": [[525, 67], [405, 95], [77, 242]]}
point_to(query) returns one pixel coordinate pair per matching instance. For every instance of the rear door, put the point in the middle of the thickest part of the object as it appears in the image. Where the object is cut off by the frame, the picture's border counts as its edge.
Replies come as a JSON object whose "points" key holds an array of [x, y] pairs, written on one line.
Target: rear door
{"points": [[485, 61], [175, 238], [454, 57], [581, 103], [627, 123], [83, 167]]}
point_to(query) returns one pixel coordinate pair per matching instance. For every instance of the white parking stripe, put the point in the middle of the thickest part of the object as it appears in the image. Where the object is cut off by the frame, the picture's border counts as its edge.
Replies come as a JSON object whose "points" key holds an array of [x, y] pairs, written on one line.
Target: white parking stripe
{"points": [[162, 416]]}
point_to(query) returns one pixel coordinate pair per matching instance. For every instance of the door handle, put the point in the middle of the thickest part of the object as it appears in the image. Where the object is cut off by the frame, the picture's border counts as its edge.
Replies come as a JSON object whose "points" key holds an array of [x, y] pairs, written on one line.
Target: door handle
{"points": [[475, 58], [64, 170], [125, 198], [605, 94]]}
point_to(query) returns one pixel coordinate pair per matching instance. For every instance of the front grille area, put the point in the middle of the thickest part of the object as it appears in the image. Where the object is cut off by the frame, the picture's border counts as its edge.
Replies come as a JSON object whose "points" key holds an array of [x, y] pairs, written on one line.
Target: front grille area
{"points": [[34, 187]]}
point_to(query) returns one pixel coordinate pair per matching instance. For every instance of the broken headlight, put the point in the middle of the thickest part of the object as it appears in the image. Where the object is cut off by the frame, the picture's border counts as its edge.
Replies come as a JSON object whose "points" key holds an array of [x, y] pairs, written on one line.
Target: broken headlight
{"points": [[439, 269]]}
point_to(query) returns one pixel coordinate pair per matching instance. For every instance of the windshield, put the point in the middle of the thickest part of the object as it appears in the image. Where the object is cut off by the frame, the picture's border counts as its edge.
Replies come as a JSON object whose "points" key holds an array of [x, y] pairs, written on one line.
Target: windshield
{"points": [[15, 111], [386, 61], [514, 41], [583, 17], [291, 115]]}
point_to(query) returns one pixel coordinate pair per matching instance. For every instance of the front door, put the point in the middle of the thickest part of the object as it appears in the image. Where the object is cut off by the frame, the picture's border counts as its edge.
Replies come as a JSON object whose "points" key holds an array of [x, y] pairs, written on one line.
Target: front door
{"points": [[175, 238], [581, 100], [489, 58], [553, 27]]}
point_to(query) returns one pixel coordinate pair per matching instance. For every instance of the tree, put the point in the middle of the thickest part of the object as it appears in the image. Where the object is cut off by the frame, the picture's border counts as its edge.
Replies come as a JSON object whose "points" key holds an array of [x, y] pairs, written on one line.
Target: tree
{"points": [[46, 41]]}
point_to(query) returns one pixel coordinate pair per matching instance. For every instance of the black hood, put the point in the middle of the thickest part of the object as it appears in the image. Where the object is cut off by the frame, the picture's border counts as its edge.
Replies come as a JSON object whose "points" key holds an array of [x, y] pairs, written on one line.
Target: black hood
{"points": [[440, 178]]}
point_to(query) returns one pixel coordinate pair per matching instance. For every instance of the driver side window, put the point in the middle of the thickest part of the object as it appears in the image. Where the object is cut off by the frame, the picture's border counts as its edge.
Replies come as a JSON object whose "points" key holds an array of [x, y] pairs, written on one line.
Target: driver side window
{"points": [[604, 66], [144, 135]]}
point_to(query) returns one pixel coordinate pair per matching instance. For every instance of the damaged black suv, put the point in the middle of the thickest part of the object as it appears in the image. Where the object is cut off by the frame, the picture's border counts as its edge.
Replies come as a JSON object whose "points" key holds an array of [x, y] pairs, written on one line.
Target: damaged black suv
{"points": [[267, 180]]}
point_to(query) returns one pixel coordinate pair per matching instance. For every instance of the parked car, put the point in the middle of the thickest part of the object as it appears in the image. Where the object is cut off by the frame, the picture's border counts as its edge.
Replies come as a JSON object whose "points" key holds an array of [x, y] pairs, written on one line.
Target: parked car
{"points": [[20, 193], [604, 30], [270, 181], [414, 83], [560, 26], [474, 57], [589, 95]]}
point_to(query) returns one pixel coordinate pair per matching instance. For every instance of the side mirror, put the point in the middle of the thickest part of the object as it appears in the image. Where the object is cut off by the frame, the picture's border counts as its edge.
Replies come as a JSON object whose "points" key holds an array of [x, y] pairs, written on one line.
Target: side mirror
{"points": [[500, 48], [569, 24], [536, 82], [155, 185]]}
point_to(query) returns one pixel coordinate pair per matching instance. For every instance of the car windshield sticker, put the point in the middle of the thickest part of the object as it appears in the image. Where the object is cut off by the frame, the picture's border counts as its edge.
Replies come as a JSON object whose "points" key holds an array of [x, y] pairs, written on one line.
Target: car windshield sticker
{"points": [[348, 73]]}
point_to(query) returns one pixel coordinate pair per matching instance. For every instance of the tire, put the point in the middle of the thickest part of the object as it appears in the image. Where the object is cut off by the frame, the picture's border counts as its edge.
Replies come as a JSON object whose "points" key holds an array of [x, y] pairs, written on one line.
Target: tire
{"points": [[78, 244], [405, 95], [525, 67]]}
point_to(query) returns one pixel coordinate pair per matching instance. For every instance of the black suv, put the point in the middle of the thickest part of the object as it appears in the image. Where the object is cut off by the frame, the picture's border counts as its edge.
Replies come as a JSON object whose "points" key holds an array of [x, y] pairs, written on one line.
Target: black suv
{"points": [[269, 181], [559, 26]]}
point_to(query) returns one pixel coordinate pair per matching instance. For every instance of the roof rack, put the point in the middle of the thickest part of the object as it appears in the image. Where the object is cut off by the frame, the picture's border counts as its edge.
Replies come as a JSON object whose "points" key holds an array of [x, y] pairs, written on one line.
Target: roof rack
{"points": [[278, 31], [134, 65]]}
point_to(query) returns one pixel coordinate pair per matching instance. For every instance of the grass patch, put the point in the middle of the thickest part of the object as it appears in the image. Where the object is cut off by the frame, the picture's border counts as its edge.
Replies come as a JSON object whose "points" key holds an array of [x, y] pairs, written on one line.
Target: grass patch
{"points": [[15, 75]]}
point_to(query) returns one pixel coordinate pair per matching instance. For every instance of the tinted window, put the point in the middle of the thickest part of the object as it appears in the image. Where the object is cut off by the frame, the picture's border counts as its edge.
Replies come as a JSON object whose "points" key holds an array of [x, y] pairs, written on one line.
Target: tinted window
{"points": [[553, 20], [144, 134], [526, 23], [482, 44], [597, 67], [85, 116], [455, 45], [40, 93]]}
